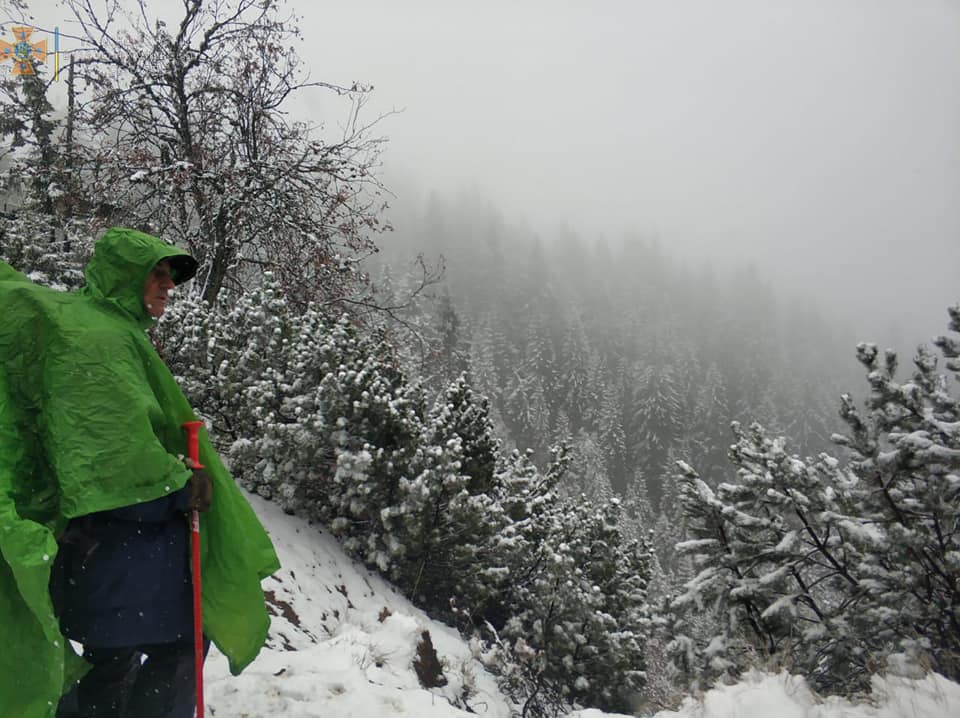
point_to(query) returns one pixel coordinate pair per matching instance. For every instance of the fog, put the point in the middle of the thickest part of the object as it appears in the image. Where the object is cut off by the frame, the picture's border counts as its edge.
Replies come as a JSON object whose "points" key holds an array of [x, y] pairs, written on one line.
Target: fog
{"points": [[817, 140], [820, 140]]}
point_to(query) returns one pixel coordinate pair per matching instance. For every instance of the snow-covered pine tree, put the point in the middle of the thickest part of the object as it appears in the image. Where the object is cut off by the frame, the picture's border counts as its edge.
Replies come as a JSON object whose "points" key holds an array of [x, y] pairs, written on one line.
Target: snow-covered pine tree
{"points": [[226, 358], [587, 471], [838, 570], [575, 393], [669, 523], [610, 434], [708, 439], [525, 407], [38, 232], [575, 594], [774, 555], [375, 421], [483, 364], [468, 417], [656, 421], [906, 457], [444, 518], [314, 413], [446, 351], [636, 505]]}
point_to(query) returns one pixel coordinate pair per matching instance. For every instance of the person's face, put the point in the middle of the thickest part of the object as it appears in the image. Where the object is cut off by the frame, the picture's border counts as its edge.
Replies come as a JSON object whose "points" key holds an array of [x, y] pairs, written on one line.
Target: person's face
{"points": [[158, 286]]}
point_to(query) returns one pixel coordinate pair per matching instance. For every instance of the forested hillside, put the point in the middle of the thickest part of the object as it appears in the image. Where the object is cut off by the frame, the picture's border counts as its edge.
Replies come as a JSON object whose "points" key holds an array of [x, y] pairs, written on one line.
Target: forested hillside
{"points": [[638, 357], [619, 472]]}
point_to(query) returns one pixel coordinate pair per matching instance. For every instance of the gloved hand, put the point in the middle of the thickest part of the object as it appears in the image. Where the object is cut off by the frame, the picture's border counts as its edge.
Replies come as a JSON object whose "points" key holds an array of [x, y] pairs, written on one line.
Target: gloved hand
{"points": [[200, 489]]}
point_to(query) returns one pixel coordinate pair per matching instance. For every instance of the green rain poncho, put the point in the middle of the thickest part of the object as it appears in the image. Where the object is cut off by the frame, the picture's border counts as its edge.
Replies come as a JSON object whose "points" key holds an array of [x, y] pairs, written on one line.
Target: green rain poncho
{"points": [[90, 420]]}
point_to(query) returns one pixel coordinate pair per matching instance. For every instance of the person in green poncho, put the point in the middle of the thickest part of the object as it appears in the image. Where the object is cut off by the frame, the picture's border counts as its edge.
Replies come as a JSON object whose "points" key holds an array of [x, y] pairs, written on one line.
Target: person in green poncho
{"points": [[91, 453]]}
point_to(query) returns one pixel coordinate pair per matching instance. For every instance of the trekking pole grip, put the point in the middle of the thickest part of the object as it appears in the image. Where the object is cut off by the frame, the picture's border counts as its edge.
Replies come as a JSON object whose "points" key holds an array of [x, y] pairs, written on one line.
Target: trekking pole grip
{"points": [[193, 441]]}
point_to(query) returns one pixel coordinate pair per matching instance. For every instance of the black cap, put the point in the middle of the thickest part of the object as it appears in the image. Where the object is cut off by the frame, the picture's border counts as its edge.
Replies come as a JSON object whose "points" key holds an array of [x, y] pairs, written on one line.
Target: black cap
{"points": [[183, 267]]}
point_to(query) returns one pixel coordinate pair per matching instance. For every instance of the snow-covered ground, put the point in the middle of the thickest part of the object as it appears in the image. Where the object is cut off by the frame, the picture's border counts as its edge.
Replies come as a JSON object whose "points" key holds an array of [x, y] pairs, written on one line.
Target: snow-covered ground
{"points": [[343, 642], [762, 695]]}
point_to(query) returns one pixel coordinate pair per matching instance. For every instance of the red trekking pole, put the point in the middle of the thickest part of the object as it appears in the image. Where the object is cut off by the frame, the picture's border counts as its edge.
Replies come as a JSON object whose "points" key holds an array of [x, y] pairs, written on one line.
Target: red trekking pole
{"points": [[193, 452]]}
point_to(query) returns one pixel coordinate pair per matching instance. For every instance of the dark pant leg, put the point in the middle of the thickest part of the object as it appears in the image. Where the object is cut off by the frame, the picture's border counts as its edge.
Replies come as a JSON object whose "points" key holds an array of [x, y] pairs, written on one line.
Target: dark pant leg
{"points": [[165, 686], [67, 708], [105, 690]]}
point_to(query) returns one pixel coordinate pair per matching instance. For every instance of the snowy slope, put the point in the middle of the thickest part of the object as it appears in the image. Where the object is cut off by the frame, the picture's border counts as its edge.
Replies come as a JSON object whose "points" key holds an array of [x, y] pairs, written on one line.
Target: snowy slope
{"points": [[330, 654], [334, 652]]}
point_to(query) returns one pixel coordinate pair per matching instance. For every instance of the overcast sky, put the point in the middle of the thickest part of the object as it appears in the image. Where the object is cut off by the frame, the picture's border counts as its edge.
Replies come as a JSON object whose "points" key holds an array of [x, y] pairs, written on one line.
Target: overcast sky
{"points": [[821, 138]]}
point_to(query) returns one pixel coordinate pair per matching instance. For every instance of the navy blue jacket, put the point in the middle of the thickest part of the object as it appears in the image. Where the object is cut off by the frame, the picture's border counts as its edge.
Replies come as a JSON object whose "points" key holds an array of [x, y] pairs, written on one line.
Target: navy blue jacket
{"points": [[124, 575]]}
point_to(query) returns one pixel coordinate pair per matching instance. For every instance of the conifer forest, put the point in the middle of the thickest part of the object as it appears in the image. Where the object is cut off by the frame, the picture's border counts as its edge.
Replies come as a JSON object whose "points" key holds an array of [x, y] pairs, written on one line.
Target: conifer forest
{"points": [[627, 472]]}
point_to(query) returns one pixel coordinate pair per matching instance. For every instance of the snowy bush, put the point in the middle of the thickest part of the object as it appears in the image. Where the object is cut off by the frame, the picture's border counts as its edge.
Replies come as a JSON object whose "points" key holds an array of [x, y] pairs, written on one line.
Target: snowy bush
{"points": [[314, 413], [573, 600], [838, 569], [43, 250]]}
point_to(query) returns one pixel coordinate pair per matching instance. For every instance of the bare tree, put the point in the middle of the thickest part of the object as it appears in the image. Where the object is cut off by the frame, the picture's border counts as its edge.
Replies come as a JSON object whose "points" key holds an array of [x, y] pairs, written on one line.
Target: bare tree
{"points": [[183, 130]]}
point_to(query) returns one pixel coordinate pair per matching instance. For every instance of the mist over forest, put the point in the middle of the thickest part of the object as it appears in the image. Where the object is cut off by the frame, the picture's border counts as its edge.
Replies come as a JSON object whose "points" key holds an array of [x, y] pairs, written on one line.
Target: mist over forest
{"points": [[638, 357], [623, 423]]}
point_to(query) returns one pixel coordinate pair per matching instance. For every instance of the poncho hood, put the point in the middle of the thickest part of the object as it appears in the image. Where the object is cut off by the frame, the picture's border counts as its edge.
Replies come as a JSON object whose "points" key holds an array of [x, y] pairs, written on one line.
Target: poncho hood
{"points": [[122, 261]]}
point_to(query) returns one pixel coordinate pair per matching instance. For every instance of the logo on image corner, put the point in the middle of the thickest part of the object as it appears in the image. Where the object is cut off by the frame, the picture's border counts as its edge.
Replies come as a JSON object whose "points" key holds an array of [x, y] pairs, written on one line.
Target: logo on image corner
{"points": [[23, 53]]}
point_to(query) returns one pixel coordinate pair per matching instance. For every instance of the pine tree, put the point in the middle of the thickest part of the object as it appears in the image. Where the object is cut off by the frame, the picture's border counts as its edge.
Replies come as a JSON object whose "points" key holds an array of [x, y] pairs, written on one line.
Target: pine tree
{"points": [[656, 421], [636, 504], [442, 523], [838, 569], [611, 435], [576, 394], [710, 435], [587, 474], [906, 456], [483, 370], [38, 233], [447, 352], [580, 597], [526, 410]]}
